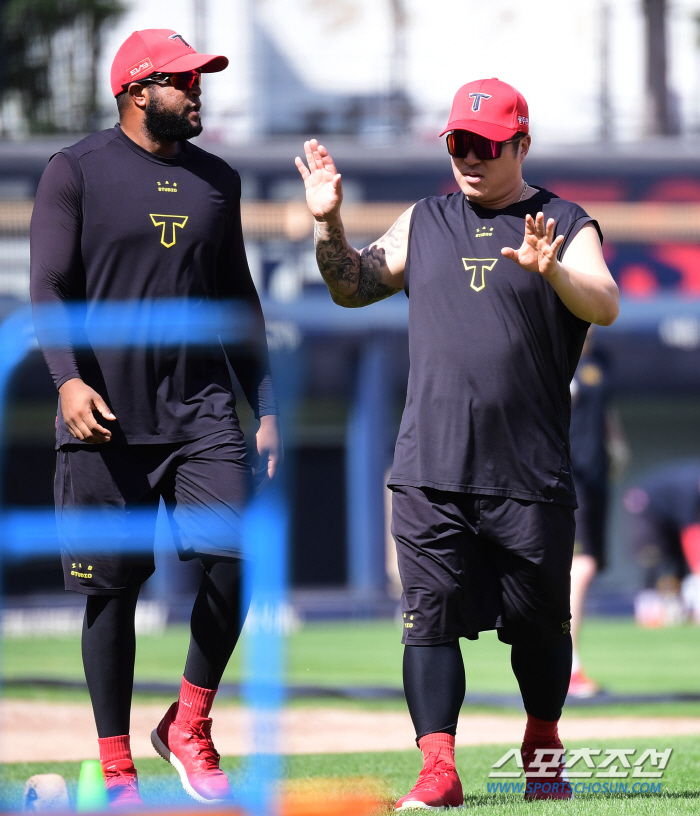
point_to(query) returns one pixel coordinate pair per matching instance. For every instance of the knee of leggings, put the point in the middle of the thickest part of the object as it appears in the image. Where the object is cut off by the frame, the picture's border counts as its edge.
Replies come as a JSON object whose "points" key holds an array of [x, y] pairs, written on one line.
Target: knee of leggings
{"points": [[225, 579], [543, 636]]}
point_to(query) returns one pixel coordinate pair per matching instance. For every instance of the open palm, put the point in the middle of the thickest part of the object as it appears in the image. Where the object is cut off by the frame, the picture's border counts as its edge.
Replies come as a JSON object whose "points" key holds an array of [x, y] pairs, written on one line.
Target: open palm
{"points": [[538, 251], [324, 191]]}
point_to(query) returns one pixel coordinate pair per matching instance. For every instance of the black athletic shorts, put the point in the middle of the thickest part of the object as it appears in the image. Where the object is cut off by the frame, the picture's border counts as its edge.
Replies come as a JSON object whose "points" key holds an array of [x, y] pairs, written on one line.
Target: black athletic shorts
{"points": [[470, 563], [204, 484], [590, 522]]}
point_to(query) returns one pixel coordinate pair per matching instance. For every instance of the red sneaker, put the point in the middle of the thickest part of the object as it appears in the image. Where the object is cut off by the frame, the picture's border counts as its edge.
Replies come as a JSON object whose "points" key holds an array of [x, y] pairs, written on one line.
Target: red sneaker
{"points": [[122, 784], [581, 686], [550, 761], [188, 747], [438, 786]]}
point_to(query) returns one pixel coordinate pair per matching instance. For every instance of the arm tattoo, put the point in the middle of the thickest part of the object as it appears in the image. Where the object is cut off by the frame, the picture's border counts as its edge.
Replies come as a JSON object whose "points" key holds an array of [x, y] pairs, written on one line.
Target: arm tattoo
{"points": [[370, 287], [397, 234], [338, 263], [355, 278]]}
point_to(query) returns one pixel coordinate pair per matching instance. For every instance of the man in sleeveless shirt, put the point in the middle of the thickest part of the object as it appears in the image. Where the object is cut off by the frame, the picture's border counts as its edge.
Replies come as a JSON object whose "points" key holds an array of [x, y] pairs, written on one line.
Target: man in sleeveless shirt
{"points": [[137, 213], [483, 497]]}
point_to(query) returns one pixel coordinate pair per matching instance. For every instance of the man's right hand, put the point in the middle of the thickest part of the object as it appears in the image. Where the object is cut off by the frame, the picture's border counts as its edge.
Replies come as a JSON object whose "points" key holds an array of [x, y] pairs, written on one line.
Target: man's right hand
{"points": [[78, 401], [354, 278], [324, 190]]}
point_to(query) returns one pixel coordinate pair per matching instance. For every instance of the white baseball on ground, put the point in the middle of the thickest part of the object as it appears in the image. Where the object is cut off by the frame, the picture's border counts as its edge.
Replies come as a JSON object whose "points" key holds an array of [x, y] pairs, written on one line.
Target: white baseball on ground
{"points": [[44, 792]]}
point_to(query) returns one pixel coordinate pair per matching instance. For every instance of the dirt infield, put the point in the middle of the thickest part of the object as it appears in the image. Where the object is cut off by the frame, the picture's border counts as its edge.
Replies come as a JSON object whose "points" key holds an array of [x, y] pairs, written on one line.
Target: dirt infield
{"points": [[34, 731]]}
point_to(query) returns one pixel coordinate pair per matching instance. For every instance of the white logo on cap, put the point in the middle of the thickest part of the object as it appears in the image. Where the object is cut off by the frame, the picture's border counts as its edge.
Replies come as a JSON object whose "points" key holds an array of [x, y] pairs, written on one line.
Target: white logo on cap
{"points": [[141, 67], [477, 97]]}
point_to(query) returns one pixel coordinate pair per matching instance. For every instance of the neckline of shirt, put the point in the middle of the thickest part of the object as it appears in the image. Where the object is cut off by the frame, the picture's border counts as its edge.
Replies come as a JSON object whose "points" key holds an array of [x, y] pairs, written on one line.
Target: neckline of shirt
{"points": [[146, 154], [477, 208]]}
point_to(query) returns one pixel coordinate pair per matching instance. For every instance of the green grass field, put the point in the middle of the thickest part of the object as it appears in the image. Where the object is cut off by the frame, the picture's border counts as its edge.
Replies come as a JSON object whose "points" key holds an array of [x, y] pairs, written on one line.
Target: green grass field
{"points": [[622, 657], [618, 654], [397, 772]]}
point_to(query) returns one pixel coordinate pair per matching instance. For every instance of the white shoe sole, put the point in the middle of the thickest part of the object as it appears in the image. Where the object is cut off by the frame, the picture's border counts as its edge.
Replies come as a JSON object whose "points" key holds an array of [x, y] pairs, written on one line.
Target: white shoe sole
{"points": [[168, 756], [421, 806]]}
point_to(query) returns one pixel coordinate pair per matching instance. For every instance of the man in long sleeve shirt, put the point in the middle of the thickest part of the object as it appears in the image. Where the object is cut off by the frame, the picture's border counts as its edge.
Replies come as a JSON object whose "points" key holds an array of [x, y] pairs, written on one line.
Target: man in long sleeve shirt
{"points": [[136, 213]]}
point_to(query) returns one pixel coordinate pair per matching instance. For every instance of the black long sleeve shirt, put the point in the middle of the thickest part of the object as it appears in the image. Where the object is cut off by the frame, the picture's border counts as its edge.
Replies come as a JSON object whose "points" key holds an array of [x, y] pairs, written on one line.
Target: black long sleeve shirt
{"points": [[113, 222]]}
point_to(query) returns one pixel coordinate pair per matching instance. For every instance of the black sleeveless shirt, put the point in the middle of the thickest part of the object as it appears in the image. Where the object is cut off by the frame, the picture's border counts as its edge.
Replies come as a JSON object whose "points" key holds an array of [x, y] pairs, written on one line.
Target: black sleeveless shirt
{"points": [[492, 351]]}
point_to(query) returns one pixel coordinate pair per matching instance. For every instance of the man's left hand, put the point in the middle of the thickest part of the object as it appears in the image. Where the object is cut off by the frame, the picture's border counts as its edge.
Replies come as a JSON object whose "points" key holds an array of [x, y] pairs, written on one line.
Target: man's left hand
{"points": [[268, 443], [538, 251]]}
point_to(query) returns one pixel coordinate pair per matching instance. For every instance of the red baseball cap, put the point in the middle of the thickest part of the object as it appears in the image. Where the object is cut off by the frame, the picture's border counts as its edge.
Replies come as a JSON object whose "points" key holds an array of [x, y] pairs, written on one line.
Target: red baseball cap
{"points": [[491, 108], [158, 49]]}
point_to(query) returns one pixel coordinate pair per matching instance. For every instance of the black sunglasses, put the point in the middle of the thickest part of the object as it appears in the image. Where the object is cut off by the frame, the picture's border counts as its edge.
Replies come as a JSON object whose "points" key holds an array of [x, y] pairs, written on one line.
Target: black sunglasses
{"points": [[460, 142], [181, 81]]}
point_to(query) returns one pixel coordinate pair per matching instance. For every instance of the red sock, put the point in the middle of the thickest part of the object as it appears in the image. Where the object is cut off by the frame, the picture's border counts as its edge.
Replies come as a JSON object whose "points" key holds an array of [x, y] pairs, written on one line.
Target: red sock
{"points": [[440, 744], [114, 748], [540, 732], [193, 702]]}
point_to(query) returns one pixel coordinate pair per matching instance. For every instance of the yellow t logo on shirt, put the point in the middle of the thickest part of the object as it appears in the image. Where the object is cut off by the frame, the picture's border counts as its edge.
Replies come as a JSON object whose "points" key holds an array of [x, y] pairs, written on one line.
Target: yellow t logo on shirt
{"points": [[168, 220], [478, 267]]}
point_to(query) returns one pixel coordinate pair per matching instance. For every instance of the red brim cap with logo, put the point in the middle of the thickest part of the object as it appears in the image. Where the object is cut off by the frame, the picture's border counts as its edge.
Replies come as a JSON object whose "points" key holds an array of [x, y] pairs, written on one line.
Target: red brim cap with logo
{"points": [[158, 50], [491, 108]]}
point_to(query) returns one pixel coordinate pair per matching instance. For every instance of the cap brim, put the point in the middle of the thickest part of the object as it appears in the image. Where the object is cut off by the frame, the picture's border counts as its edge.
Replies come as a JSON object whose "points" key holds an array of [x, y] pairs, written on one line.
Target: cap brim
{"points": [[489, 131], [206, 63]]}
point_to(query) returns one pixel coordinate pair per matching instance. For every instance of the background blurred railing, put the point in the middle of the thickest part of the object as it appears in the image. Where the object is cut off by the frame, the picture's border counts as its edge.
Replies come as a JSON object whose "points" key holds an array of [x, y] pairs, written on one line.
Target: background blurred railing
{"points": [[638, 222]]}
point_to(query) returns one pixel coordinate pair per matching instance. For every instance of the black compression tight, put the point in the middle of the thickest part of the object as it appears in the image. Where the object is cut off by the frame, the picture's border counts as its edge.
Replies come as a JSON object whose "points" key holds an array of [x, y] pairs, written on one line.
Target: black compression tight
{"points": [[217, 620], [109, 643], [109, 648], [433, 681], [543, 674]]}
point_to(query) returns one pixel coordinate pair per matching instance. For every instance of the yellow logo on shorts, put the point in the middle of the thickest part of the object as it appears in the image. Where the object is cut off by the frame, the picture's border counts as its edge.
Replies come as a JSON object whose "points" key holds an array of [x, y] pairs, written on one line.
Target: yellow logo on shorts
{"points": [[77, 574], [566, 627], [408, 625]]}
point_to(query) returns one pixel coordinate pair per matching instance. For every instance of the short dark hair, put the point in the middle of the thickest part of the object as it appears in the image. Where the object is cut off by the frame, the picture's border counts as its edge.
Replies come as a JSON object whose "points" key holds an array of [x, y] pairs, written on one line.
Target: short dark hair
{"points": [[516, 141], [122, 102]]}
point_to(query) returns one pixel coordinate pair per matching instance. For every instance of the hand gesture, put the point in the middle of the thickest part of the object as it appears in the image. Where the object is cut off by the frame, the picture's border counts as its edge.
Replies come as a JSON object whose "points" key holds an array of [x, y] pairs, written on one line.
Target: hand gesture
{"points": [[324, 191], [538, 251], [78, 402]]}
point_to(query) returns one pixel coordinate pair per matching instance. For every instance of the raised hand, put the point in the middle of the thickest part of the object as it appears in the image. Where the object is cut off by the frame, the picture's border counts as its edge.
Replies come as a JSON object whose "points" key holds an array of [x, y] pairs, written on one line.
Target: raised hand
{"points": [[324, 191], [538, 251]]}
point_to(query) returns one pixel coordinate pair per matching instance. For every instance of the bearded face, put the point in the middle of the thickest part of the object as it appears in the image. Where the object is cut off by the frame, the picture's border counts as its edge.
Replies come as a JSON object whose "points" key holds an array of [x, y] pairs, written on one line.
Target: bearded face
{"points": [[167, 122]]}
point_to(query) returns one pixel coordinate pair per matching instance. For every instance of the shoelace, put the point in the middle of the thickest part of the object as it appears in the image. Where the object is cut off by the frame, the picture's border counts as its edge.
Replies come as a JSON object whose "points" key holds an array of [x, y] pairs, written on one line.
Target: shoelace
{"points": [[431, 769], [116, 776], [201, 733]]}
